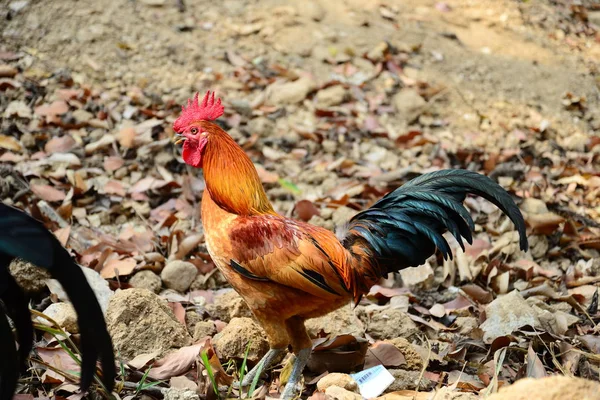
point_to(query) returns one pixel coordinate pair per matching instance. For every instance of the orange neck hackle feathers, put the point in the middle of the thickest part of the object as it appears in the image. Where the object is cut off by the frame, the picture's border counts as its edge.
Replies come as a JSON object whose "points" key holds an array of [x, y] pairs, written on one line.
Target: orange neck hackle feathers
{"points": [[231, 179]]}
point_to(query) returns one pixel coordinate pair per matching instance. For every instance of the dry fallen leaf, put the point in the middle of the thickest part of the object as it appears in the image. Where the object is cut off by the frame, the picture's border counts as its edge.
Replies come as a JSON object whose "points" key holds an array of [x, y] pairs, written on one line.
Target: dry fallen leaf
{"points": [[306, 210], [48, 193], [176, 363], [58, 107], [386, 354], [9, 143], [140, 361], [120, 267], [60, 144]]}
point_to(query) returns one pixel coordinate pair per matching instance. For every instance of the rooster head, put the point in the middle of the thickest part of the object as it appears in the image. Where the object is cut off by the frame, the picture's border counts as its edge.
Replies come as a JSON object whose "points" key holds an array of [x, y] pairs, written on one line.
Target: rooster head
{"points": [[190, 126]]}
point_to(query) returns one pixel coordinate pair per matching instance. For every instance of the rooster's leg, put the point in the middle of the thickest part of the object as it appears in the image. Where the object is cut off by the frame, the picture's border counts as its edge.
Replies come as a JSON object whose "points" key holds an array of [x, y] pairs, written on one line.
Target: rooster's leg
{"points": [[299, 363], [302, 346], [262, 365], [277, 336]]}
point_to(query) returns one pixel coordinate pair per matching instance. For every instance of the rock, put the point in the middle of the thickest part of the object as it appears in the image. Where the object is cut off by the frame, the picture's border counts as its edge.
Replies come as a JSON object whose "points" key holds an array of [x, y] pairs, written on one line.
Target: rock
{"points": [[339, 322], [312, 9], [98, 284], [409, 104], [191, 319], [204, 329], [242, 107], [172, 393], [30, 278], [240, 333], [387, 323], [338, 393], [550, 388], [64, 314], [227, 305], [141, 322], [331, 96], [506, 314], [414, 362], [146, 280], [407, 380], [178, 275], [295, 40], [210, 281], [82, 116], [282, 93], [466, 325], [344, 381], [264, 127]]}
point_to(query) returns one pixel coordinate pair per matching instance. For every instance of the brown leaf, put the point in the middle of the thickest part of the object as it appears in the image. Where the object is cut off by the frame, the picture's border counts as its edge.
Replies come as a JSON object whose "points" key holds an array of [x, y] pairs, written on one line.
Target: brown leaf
{"points": [[179, 311], [343, 353], [306, 210], [10, 143], [221, 376], [57, 107], [115, 187], [592, 342], [188, 244], [48, 193], [142, 360], [544, 223], [146, 184], [176, 363], [379, 292], [535, 368], [113, 163], [386, 354], [114, 266], [266, 176], [59, 359], [477, 293], [183, 383], [127, 137], [63, 234], [61, 144]]}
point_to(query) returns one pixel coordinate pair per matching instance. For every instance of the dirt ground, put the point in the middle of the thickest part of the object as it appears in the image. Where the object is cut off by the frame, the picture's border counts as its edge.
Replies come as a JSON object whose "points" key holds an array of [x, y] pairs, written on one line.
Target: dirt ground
{"points": [[337, 102]]}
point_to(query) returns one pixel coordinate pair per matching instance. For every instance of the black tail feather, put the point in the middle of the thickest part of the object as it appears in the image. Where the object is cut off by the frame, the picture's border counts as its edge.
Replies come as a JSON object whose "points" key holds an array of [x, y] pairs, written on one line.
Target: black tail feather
{"points": [[405, 227], [16, 305], [9, 373], [24, 237]]}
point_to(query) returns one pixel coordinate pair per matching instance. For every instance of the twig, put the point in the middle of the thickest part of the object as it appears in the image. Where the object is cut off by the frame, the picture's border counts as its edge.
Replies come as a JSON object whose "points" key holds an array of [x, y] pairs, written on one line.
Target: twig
{"points": [[425, 364]]}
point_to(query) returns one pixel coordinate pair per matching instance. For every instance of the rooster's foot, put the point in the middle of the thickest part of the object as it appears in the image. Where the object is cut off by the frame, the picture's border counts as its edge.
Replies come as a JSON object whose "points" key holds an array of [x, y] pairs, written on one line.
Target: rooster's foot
{"points": [[262, 365], [290, 392]]}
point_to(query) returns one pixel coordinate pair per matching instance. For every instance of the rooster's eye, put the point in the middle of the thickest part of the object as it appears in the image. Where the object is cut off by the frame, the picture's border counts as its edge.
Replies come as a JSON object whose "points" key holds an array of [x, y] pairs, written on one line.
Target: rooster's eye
{"points": [[194, 131]]}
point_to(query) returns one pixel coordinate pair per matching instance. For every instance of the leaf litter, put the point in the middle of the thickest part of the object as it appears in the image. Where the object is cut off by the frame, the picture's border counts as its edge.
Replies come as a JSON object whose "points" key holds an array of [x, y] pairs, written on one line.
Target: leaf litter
{"points": [[332, 125]]}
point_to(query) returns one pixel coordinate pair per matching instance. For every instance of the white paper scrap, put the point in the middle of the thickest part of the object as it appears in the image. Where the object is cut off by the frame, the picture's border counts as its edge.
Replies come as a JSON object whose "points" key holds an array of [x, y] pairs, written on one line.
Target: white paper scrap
{"points": [[373, 381]]}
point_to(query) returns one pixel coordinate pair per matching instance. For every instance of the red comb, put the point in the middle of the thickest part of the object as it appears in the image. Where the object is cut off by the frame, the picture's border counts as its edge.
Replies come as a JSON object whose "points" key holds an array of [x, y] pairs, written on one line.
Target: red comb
{"points": [[209, 109]]}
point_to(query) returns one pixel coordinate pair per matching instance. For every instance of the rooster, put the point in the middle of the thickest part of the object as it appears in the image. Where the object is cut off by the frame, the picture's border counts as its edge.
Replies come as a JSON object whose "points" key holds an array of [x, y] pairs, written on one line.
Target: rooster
{"points": [[26, 238], [288, 271]]}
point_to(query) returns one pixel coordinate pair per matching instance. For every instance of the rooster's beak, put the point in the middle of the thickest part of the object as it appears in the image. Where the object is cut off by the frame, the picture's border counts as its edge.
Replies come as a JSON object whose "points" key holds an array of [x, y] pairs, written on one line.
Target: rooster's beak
{"points": [[179, 138]]}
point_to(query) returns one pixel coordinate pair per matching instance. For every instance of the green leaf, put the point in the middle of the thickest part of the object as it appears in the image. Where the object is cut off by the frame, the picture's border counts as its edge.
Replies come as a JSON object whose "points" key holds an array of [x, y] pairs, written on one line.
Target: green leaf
{"points": [[289, 186]]}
